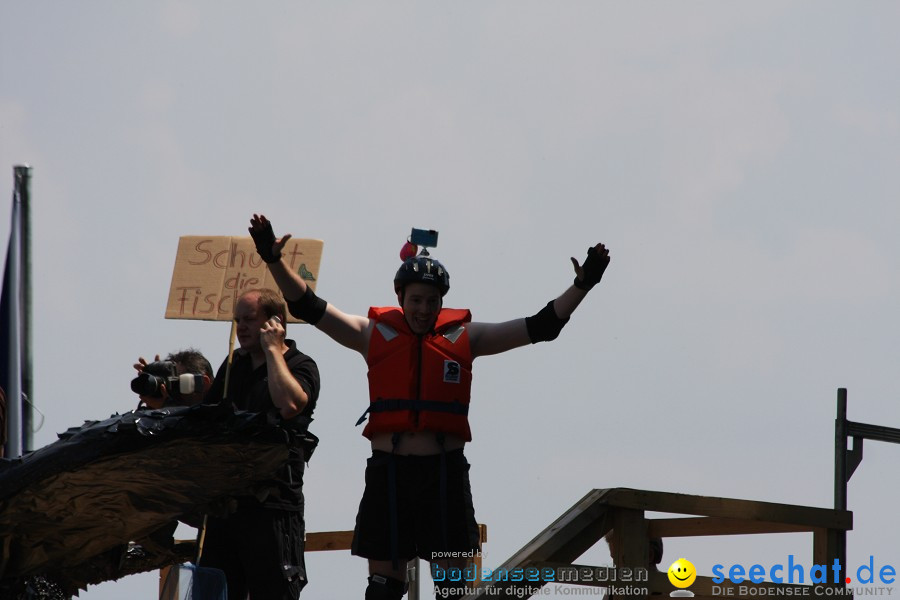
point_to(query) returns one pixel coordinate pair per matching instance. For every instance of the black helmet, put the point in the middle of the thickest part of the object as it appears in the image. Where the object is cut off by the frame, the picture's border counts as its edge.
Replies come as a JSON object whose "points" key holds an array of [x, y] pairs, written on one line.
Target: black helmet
{"points": [[422, 269]]}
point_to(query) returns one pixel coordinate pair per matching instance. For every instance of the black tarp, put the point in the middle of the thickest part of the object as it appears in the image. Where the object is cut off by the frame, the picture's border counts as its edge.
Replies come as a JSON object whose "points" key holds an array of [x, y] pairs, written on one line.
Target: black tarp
{"points": [[69, 509]]}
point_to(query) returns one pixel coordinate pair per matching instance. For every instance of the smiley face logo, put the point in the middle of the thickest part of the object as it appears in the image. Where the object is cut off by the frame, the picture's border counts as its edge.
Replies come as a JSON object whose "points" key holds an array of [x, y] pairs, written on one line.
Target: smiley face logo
{"points": [[682, 573]]}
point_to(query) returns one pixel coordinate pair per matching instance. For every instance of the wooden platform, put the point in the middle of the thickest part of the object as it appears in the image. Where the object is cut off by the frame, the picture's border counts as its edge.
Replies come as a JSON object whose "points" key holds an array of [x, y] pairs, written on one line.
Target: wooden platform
{"points": [[622, 512]]}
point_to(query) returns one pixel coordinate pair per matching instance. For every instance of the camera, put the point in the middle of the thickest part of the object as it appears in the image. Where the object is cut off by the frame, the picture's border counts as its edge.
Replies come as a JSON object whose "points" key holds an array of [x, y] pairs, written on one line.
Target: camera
{"points": [[149, 382], [424, 237]]}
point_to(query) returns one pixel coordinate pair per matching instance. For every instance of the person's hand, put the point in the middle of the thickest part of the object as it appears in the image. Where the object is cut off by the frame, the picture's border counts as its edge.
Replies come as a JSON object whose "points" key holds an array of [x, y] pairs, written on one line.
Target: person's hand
{"points": [[268, 248], [588, 275], [271, 335], [142, 362]]}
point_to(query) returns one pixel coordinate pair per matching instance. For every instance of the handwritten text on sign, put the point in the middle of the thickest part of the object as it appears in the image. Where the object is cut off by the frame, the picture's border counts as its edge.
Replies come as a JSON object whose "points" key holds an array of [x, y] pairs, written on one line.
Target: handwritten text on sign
{"points": [[212, 271]]}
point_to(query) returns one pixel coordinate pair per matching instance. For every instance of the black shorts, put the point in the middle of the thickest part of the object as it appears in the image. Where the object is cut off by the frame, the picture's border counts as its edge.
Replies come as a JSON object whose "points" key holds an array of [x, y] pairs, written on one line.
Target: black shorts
{"points": [[421, 523], [261, 552]]}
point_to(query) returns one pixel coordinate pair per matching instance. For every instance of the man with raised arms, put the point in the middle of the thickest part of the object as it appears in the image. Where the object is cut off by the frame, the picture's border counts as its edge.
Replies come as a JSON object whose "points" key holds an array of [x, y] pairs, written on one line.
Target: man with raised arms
{"points": [[417, 500]]}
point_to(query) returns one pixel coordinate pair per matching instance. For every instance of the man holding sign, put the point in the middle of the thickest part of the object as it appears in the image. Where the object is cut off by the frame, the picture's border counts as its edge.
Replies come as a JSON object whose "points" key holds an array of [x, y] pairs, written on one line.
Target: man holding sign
{"points": [[418, 500], [260, 547]]}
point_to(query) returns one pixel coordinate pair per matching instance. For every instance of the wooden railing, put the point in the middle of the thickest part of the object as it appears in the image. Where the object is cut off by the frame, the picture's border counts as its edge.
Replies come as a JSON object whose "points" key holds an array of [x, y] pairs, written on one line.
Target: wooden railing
{"points": [[621, 513]]}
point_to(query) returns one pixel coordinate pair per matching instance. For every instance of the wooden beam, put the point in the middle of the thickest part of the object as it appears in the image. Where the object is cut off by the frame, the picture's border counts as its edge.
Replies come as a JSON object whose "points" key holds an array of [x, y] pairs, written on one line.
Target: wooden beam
{"points": [[564, 540], [323, 541], [707, 506], [826, 547], [703, 526], [328, 540], [479, 558], [163, 577], [569, 536], [629, 545]]}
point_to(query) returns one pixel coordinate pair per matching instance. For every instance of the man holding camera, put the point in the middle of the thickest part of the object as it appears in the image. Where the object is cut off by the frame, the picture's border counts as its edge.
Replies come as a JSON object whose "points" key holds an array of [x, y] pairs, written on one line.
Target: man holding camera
{"points": [[417, 500], [182, 379], [260, 547]]}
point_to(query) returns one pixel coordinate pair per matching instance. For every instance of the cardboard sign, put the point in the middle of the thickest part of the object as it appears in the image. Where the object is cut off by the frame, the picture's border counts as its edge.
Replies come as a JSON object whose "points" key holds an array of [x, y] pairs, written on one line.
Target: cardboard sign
{"points": [[212, 271]]}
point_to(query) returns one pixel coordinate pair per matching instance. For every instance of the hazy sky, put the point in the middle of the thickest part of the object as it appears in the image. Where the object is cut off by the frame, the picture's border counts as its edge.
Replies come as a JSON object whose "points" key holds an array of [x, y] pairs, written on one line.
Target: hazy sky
{"points": [[740, 160]]}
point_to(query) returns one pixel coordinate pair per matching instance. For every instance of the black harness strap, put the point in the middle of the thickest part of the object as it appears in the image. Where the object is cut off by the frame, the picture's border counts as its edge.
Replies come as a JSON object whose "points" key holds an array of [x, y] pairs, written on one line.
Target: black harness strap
{"points": [[393, 404], [440, 440], [392, 503]]}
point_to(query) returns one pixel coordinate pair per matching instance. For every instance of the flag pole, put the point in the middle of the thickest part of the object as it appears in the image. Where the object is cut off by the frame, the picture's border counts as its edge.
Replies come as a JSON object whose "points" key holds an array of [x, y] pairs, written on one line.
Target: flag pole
{"points": [[23, 183], [12, 321]]}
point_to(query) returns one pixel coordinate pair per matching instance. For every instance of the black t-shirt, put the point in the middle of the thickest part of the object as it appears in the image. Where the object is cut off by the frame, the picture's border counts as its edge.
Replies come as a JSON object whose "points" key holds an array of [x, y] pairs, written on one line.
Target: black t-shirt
{"points": [[248, 389]]}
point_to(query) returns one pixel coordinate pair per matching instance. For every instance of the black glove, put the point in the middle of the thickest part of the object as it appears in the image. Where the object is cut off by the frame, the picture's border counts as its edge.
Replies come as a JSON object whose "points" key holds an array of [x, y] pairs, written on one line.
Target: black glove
{"points": [[264, 238], [592, 269]]}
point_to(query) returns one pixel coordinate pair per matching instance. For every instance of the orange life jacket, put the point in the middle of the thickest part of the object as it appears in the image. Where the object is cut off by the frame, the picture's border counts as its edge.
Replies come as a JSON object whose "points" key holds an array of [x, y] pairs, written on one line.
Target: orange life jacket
{"points": [[419, 383]]}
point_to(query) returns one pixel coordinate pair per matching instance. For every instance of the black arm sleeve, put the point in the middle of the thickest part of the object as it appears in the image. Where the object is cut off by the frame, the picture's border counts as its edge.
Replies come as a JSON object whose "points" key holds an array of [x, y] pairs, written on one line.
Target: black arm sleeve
{"points": [[545, 325], [309, 307]]}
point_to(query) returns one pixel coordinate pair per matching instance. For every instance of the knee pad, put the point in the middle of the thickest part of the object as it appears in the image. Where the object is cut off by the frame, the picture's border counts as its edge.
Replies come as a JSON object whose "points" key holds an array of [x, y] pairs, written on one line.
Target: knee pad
{"points": [[385, 588], [449, 590]]}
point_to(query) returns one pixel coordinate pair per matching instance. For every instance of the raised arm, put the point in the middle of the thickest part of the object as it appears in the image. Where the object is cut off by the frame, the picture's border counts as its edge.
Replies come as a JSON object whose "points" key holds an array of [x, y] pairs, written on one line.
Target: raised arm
{"points": [[352, 331], [494, 338]]}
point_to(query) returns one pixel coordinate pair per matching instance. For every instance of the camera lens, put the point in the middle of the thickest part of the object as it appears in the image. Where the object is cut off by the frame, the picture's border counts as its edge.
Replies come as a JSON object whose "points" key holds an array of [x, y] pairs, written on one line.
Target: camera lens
{"points": [[154, 375], [147, 385]]}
